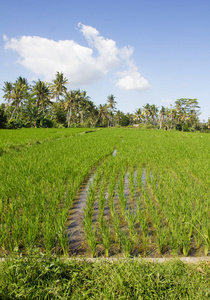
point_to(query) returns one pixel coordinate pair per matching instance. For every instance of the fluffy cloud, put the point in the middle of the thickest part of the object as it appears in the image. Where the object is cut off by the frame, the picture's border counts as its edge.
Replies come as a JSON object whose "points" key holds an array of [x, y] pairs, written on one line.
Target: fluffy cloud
{"points": [[81, 65], [131, 79]]}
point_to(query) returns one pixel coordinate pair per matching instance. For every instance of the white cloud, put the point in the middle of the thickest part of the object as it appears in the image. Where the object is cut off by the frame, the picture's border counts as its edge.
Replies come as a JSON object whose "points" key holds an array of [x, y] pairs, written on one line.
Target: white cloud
{"points": [[5, 38], [81, 65], [132, 79]]}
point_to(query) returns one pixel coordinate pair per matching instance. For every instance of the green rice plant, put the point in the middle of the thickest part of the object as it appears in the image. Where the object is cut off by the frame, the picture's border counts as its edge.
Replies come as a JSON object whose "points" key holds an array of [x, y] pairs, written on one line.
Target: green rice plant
{"points": [[49, 233], [102, 202], [62, 239], [39, 182], [112, 191], [90, 234], [132, 186], [121, 192], [106, 238], [126, 243], [205, 237], [142, 219], [174, 239], [31, 231], [207, 241], [116, 223], [162, 238], [111, 201], [131, 219]]}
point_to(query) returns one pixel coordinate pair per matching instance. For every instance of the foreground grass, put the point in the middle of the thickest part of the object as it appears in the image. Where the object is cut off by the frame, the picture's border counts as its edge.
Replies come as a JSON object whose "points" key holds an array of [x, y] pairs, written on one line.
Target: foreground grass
{"points": [[41, 277]]}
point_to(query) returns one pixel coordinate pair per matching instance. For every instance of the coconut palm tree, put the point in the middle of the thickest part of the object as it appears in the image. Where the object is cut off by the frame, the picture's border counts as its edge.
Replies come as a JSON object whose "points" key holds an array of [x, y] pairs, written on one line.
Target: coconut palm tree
{"points": [[138, 115], [119, 114], [162, 114], [91, 112], [153, 112], [7, 89], [42, 92], [82, 103], [58, 87], [19, 93], [69, 103], [102, 113], [111, 108]]}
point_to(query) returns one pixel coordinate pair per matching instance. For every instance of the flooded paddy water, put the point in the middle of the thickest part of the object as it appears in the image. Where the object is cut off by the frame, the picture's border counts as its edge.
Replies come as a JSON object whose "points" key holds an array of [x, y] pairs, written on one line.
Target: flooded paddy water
{"points": [[75, 228], [134, 201], [75, 225]]}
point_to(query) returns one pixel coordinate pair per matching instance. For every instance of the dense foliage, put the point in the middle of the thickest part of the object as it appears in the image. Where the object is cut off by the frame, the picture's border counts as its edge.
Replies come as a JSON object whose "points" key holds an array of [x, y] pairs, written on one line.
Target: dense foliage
{"points": [[33, 106]]}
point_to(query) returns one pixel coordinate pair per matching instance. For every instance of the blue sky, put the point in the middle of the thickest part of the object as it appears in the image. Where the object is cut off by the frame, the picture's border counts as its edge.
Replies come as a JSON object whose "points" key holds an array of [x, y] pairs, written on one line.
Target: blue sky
{"points": [[151, 51]]}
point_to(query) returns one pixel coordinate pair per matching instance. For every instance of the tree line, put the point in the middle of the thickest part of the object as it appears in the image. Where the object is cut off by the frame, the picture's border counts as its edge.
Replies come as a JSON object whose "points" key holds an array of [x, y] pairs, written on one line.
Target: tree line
{"points": [[44, 104]]}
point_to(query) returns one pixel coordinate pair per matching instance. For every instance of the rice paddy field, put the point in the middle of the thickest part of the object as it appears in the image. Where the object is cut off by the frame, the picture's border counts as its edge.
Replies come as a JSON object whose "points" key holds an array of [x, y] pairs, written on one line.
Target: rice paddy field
{"points": [[111, 192]]}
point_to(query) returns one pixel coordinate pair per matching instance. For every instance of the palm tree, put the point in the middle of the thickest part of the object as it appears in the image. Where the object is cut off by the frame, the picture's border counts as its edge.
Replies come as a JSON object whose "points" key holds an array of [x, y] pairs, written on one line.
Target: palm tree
{"points": [[68, 105], [118, 116], [83, 103], [7, 89], [193, 111], [153, 112], [138, 115], [147, 112], [91, 112], [111, 107], [103, 113], [162, 115], [181, 107], [58, 86], [19, 93], [42, 92]]}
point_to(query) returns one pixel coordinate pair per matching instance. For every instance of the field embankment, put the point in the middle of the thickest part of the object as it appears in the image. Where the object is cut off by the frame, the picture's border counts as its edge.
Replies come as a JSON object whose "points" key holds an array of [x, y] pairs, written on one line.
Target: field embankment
{"points": [[41, 277]]}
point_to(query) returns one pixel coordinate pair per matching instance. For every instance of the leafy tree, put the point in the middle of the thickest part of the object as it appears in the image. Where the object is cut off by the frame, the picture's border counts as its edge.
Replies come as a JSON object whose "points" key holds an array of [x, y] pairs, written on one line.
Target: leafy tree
{"points": [[187, 111], [124, 121], [131, 118], [58, 113], [3, 117]]}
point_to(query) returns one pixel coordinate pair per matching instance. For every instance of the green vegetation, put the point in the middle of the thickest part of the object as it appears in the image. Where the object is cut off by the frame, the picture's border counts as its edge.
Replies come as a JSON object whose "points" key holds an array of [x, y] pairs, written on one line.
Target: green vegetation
{"points": [[149, 195], [17, 139], [40, 277], [34, 106]]}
